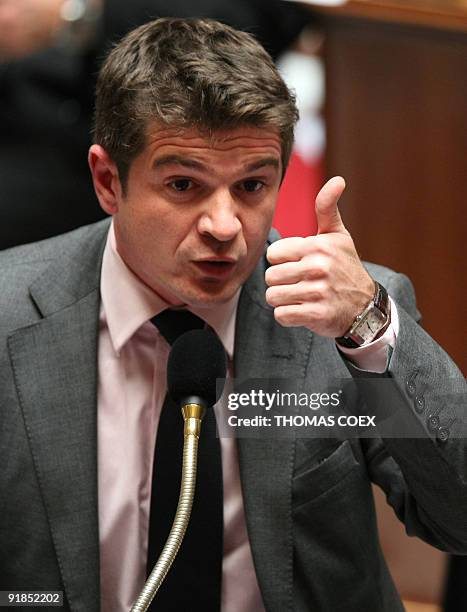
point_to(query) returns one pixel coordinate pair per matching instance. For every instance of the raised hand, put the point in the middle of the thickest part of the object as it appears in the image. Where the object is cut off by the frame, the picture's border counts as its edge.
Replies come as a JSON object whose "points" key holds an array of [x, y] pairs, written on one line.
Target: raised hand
{"points": [[319, 282]]}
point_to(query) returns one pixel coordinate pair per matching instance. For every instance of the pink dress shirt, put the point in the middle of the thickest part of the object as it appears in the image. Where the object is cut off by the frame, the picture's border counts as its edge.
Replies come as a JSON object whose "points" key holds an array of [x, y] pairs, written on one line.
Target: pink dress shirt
{"points": [[132, 360]]}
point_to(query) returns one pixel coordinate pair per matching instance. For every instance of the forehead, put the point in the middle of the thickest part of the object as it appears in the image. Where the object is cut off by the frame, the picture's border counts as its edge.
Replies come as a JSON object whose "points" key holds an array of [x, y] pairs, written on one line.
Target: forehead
{"points": [[243, 141]]}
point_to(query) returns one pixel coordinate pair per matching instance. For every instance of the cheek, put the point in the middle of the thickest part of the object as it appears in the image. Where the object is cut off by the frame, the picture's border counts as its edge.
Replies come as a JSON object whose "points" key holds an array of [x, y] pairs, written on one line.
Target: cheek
{"points": [[172, 236], [257, 223], [151, 221]]}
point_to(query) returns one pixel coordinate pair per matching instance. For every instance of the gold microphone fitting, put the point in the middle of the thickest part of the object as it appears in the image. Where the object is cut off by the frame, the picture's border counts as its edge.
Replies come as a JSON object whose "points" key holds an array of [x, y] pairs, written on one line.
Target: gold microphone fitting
{"points": [[193, 415]]}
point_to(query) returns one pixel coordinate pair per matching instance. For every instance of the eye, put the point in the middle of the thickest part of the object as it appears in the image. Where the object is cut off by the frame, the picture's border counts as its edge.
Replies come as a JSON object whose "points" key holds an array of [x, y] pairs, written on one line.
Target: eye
{"points": [[181, 184], [252, 185]]}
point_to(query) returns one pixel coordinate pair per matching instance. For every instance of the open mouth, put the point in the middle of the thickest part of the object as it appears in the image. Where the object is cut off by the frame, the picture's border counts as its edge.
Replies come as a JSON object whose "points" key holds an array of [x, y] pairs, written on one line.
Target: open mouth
{"points": [[215, 268]]}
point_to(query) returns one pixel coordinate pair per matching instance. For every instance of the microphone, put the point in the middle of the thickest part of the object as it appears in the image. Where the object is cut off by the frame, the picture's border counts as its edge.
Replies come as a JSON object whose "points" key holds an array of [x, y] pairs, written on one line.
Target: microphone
{"points": [[197, 359]]}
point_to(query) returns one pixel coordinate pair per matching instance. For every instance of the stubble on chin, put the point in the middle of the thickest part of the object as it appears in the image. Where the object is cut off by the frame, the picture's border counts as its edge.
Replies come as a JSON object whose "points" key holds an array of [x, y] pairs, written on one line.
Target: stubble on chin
{"points": [[206, 294]]}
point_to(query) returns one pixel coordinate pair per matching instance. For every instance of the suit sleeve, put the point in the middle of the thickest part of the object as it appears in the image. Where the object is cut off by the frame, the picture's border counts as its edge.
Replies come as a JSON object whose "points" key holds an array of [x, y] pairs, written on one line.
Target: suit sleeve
{"points": [[424, 476]]}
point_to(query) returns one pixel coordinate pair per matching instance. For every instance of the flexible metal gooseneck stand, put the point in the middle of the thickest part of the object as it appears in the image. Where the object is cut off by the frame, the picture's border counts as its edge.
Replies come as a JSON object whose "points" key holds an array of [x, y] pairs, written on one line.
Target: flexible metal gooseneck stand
{"points": [[192, 415]]}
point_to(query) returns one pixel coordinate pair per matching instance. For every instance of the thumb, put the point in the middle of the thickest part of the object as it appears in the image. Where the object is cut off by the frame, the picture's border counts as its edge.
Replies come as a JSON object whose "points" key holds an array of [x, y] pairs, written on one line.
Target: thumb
{"points": [[327, 213]]}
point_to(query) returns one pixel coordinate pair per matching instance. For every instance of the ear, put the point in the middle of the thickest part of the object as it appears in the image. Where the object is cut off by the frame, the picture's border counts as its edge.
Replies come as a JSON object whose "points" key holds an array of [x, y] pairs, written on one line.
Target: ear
{"points": [[105, 178]]}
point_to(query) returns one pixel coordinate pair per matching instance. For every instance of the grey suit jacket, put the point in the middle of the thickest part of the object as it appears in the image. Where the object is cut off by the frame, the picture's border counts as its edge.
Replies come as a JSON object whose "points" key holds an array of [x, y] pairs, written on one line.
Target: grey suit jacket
{"points": [[309, 506]]}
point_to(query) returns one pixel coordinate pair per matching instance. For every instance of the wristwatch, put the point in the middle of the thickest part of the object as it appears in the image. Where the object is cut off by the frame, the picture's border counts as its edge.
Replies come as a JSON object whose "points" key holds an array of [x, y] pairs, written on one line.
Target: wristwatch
{"points": [[369, 324]]}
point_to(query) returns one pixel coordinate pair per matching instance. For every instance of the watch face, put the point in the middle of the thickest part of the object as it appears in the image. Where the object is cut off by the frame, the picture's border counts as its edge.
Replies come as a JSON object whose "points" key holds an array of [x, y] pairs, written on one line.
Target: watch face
{"points": [[371, 324]]}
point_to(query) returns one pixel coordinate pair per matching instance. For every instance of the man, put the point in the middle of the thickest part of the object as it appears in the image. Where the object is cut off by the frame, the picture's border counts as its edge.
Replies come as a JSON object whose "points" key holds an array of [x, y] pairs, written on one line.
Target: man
{"points": [[193, 131]]}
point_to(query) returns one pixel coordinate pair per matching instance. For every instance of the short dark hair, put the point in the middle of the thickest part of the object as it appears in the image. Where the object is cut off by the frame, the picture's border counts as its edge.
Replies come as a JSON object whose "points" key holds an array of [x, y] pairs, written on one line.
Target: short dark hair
{"points": [[188, 73]]}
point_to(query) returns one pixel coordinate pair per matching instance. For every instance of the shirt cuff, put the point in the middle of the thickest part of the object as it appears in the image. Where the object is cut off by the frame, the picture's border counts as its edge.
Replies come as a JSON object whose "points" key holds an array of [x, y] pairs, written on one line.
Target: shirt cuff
{"points": [[374, 357]]}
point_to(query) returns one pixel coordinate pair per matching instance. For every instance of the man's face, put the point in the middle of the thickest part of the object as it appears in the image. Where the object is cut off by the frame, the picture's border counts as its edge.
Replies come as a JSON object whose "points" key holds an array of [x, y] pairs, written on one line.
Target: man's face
{"points": [[197, 210]]}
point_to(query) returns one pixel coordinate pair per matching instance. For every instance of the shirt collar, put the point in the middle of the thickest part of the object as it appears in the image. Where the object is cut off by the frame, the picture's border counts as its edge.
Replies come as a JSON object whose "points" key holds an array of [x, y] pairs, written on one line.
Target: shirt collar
{"points": [[128, 303]]}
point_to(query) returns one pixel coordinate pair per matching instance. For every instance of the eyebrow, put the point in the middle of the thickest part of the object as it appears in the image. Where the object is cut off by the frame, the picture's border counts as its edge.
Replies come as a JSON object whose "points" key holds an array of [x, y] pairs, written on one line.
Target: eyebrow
{"points": [[193, 164], [263, 163], [187, 162]]}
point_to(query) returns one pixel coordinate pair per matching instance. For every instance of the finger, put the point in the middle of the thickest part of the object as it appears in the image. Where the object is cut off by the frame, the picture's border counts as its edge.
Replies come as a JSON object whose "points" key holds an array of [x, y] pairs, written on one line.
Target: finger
{"points": [[327, 213], [284, 274], [312, 266], [286, 250], [296, 315], [297, 293]]}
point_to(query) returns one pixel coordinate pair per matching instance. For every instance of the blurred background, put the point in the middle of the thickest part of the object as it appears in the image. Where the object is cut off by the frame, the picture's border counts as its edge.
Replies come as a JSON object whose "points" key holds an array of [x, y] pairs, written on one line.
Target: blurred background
{"points": [[382, 92]]}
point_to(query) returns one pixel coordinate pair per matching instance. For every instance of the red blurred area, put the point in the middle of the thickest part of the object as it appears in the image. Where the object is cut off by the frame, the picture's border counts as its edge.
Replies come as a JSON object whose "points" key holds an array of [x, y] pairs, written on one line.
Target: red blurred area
{"points": [[295, 211]]}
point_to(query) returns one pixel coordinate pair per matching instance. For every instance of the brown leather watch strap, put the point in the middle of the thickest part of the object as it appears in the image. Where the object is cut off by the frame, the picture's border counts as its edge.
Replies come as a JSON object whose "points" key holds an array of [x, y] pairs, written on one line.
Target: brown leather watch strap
{"points": [[381, 302]]}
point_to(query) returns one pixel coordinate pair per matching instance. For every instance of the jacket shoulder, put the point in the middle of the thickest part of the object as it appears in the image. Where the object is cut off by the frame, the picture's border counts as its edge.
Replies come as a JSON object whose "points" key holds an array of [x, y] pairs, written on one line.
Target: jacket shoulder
{"points": [[52, 248], [20, 267]]}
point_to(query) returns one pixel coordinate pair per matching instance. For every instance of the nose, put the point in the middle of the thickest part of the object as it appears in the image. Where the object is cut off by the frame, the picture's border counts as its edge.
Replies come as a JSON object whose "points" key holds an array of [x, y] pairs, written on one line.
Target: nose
{"points": [[219, 219]]}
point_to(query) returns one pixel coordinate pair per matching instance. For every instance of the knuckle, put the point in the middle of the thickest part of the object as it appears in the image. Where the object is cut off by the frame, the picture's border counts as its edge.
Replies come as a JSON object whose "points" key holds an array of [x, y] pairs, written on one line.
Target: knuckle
{"points": [[283, 316], [317, 266], [269, 276], [325, 264], [309, 243], [317, 291], [313, 314], [305, 291], [270, 253], [322, 244], [270, 294], [273, 252]]}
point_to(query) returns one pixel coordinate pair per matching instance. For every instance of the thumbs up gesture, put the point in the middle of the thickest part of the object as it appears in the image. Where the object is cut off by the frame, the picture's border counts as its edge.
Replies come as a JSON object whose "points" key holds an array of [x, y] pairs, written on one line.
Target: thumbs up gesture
{"points": [[319, 282]]}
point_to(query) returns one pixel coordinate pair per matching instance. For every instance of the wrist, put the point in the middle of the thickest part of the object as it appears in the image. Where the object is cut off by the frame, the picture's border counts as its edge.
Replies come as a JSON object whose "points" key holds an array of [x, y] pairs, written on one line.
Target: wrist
{"points": [[371, 323]]}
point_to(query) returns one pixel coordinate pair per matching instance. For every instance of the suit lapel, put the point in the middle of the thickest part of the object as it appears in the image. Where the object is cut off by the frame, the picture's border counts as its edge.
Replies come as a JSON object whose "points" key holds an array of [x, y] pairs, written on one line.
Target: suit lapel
{"points": [[54, 363], [263, 349]]}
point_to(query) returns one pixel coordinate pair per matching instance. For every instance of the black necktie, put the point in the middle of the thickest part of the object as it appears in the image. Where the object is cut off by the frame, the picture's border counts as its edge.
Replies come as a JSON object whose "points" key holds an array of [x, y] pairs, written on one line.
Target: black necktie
{"points": [[194, 580]]}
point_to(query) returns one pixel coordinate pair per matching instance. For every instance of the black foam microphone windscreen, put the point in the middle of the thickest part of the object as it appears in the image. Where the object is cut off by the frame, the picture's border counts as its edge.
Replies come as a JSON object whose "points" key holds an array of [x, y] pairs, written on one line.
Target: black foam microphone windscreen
{"points": [[196, 361]]}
